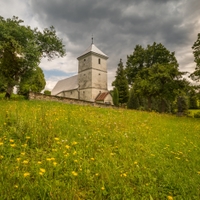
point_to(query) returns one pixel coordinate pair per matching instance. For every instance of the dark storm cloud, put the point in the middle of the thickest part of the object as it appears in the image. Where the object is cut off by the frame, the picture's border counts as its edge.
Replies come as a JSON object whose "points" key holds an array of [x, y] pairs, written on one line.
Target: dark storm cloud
{"points": [[118, 25]]}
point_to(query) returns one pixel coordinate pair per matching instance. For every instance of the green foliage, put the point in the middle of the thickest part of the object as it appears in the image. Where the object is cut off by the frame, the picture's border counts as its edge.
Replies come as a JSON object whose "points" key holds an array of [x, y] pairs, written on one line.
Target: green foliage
{"points": [[47, 92], [50, 150], [32, 81], [197, 115], [196, 51], [145, 58], [193, 100], [154, 75], [182, 104], [115, 97], [121, 84], [133, 102], [21, 49]]}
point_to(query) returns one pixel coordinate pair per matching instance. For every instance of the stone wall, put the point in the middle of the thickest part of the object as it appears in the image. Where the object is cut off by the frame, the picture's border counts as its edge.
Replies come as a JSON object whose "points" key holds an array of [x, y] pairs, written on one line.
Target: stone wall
{"points": [[43, 97]]}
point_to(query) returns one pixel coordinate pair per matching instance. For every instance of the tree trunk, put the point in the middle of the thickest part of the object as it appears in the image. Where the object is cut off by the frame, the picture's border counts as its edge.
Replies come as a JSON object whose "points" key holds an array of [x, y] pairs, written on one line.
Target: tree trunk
{"points": [[9, 91]]}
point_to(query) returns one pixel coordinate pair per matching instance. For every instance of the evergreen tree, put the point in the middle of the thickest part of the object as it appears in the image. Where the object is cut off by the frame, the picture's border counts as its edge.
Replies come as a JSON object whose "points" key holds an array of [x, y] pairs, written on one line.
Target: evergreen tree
{"points": [[121, 84], [115, 97]]}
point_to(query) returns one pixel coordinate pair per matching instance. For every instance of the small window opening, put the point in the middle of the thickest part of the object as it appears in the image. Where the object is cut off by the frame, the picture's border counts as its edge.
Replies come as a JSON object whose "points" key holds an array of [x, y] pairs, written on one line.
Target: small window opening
{"points": [[99, 61]]}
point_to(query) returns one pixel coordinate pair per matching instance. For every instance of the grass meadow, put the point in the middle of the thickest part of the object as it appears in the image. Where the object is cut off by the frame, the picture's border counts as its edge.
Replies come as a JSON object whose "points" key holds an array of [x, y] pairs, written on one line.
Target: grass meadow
{"points": [[50, 150]]}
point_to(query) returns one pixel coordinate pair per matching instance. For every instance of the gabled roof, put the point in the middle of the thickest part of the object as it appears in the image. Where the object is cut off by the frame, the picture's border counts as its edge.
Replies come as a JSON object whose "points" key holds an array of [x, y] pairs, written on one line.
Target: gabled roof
{"points": [[101, 96], [92, 48], [70, 83]]}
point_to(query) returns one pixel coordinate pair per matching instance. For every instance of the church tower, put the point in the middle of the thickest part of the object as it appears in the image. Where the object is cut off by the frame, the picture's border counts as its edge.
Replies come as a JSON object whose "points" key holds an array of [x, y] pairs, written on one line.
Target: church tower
{"points": [[92, 73]]}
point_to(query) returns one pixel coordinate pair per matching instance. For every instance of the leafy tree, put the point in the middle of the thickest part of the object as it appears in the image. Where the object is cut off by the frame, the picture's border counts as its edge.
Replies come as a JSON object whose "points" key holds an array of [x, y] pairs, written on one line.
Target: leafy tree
{"points": [[159, 81], [196, 51], [21, 49], [145, 58], [115, 97], [121, 83], [32, 81]]}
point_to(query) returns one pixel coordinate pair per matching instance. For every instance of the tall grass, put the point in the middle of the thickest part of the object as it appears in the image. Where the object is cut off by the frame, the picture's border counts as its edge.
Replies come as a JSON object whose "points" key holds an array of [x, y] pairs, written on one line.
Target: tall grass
{"points": [[58, 151]]}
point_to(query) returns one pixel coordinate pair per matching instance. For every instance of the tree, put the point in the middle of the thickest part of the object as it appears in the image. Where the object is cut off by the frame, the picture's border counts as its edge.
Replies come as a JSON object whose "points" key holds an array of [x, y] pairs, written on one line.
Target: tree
{"points": [[159, 81], [21, 50], [133, 102], [115, 97], [145, 58], [196, 51], [32, 81], [121, 83]]}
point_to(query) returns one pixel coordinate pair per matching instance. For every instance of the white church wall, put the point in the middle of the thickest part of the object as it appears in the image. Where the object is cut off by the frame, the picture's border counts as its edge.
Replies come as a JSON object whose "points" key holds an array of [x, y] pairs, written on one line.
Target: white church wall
{"points": [[99, 63], [71, 94], [99, 79]]}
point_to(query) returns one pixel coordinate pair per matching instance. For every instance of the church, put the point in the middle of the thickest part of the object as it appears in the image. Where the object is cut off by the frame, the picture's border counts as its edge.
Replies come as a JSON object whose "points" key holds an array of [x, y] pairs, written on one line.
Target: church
{"points": [[90, 84]]}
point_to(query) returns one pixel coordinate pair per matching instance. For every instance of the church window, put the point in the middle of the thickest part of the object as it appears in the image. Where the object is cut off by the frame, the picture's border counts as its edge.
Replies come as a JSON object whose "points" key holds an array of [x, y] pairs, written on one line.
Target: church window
{"points": [[99, 61]]}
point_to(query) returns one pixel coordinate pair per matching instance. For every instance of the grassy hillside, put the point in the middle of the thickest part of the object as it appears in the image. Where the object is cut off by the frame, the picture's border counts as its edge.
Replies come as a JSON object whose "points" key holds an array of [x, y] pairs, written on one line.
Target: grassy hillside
{"points": [[58, 151]]}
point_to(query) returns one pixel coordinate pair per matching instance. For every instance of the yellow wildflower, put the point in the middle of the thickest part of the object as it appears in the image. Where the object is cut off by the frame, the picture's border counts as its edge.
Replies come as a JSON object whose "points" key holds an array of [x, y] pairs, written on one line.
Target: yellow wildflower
{"points": [[23, 153], [56, 138], [67, 146], [92, 159], [170, 198], [103, 188], [18, 159], [52, 158], [42, 170], [39, 162], [26, 174], [1, 143], [25, 161], [74, 143], [13, 145], [135, 163], [28, 137], [11, 140], [74, 173], [54, 163], [48, 159]]}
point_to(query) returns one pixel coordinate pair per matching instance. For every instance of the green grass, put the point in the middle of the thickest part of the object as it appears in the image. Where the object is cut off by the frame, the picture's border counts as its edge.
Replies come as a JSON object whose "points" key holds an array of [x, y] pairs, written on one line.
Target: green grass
{"points": [[50, 150]]}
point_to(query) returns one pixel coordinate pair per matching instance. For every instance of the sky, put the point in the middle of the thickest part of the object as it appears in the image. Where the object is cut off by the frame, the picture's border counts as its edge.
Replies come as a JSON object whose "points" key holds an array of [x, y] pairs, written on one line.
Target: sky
{"points": [[117, 26]]}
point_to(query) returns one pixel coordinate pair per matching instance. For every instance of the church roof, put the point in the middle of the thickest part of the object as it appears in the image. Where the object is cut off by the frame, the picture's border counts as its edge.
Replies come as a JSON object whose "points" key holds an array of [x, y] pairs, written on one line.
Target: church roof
{"points": [[94, 49], [70, 83], [102, 96]]}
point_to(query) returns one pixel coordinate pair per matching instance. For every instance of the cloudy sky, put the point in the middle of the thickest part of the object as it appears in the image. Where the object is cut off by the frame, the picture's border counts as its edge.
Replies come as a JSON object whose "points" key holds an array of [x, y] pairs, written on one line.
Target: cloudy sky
{"points": [[117, 26]]}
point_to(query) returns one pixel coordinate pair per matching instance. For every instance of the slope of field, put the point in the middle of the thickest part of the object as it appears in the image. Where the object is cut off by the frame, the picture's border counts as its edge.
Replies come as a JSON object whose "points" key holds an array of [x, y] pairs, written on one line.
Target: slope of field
{"points": [[58, 151]]}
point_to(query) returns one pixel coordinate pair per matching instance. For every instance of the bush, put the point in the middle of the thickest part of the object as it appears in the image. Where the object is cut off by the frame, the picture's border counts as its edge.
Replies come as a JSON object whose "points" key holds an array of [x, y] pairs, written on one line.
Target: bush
{"points": [[197, 115]]}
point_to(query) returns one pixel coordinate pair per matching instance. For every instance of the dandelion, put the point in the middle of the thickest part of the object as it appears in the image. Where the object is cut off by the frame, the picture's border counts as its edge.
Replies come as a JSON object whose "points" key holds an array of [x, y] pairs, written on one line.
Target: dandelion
{"points": [[24, 145], [92, 159], [42, 170], [74, 153], [52, 158], [56, 138], [169, 197], [23, 153], [26, 174], [27, 137], [177, 158], [13, 145], [40, 173], [1, 143], [96, 174], [198, 172], [18, 159], [74, 173], [1, 157], [39, 162], [16, 186], [103, 188], [74, 143], [135, 163], [48, 159], [11, 140], [67, 146], [25, 162], [54, 163]]}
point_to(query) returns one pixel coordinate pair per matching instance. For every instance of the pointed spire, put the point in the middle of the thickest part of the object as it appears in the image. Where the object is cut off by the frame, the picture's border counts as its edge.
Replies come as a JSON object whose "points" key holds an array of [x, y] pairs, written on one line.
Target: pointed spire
{"points": [[92, 39]]}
